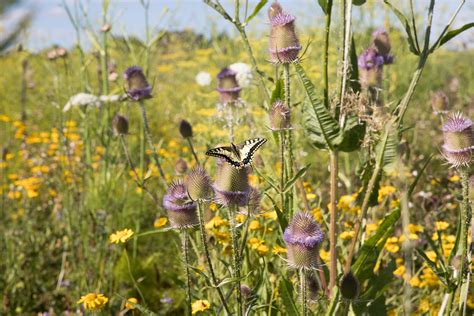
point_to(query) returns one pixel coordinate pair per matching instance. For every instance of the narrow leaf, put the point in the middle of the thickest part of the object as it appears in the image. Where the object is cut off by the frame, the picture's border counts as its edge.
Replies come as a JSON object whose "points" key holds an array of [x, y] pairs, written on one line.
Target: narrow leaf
{"points": [[279, 91], [324, 5], [257, 9], [286, 291], [452, 34], [298, 175], [406, 25]]}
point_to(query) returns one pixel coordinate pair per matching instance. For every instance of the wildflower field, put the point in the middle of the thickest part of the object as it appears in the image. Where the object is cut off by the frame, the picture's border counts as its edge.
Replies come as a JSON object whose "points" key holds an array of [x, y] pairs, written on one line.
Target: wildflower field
{"points": [[316, 170]]}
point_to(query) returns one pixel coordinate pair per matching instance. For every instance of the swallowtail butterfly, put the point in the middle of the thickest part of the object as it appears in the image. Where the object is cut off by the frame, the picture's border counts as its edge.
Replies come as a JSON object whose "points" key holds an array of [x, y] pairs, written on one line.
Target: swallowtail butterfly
{"points": [[240, 155]]}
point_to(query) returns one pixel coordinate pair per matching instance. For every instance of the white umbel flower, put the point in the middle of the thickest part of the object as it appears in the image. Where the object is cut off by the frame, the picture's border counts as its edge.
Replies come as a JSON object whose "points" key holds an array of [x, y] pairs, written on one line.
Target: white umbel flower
{"points": [[203, 78], [243, 73], [86, 99]]}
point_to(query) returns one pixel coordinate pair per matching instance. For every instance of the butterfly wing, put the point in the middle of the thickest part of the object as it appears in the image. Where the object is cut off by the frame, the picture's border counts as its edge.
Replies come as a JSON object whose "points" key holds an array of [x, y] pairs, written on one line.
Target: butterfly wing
{"points": [[225, 153], [248, 149]]}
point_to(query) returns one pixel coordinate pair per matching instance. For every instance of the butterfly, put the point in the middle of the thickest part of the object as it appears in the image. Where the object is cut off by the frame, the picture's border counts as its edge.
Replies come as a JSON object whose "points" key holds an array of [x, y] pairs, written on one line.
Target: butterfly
{"points": [[238, 156]]}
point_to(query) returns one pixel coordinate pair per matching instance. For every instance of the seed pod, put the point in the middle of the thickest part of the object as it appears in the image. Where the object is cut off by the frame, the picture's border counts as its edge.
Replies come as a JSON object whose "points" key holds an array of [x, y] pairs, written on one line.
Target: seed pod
{"points": [[120, 125], [349, 286], [199, 185], [228, 86], [458, 147], [284, 45], [185, 129], [136, 85], [280, 116], [303, 238]]}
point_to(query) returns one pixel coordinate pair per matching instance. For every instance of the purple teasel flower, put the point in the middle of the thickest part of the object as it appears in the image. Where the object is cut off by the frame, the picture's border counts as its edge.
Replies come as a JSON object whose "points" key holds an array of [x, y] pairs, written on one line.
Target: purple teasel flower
{"points": [[303, 238], [228, 86], [181, 210], [370, 68], [458, 147], [284, 45], [136, 84], [231, 185], [381, 42]]}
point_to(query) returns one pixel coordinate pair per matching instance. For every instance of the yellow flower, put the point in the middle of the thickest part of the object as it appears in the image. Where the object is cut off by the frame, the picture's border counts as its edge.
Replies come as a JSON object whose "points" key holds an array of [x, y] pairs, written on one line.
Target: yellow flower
{"points": [[130, 304], [455, 178], [160, 222], [400, 271], [93, 301], [121, 236], [392, 245], [278, 250], [216, 222], [413, 228], [254, 225], [385, 191], [324, 255], [262, 250], [370, 228], [415, 281], [441, 225], [347, 235], [424, 306], [240, 218], [200, 306], [318, 215]]}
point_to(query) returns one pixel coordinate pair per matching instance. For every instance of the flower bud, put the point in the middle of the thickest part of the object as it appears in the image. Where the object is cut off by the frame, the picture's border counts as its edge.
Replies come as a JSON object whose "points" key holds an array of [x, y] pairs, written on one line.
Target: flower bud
{"points": [[199, 185], [303, 238], [181, 210], [458, 147], [228, 87], [246, 291], [231, 186], [439, 102], [280, 116], [180, 166], [370, 68], [284, 45], [120, 125], [349, 286], [185, 129], [136, 85], [381, 42]]}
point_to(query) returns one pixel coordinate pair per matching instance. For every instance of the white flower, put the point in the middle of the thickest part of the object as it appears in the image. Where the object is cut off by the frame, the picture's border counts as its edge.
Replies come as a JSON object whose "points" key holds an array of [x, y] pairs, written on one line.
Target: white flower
{"points": [[244, 73], [203, 78], [81, 99]]}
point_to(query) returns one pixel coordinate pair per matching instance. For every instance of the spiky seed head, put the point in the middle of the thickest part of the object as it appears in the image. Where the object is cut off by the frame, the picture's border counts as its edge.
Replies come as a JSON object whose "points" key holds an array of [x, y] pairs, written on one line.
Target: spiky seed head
{"points": [[349, 286], [199, 184], [228, 86], [181, 166], [120, 125], [458, 147], [303, 238], [381, 41], [231, 185], [439, 102], [185, 129], [136, 84], [284, 45], [181, 210], [280, 116], [246, 291], [254, 200]]}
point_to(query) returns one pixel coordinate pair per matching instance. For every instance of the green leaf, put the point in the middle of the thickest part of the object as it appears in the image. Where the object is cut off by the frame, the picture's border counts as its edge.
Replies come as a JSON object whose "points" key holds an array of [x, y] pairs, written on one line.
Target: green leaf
{"points": [[298, 175], [452, 34], [322, 129], [286, 292], [354, 82], [279, 91], [281, 217], [358, 2], [324, 5], [367, 257], [386, 149], [267, 179], [352, 135], [440, 274], [406, 25], [420, 173], [257, 9]]}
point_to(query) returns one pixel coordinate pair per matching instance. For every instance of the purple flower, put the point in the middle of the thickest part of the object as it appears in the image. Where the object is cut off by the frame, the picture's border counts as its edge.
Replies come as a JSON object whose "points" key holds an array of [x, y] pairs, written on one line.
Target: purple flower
{"points": [[284, 45], [181, 210], [303, 237], [458, 147], [228, 86], [370, 59], [231, 186], [381, 42], [136, 85]]}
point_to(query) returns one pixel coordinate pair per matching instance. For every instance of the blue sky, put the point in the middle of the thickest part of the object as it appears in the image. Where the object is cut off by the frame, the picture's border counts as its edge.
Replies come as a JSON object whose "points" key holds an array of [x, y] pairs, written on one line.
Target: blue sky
{"points": [[52, 26]]}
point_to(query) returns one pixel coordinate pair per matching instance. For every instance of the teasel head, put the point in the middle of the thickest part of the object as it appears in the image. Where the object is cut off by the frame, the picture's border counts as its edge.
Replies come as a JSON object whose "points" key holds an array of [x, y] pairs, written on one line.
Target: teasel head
{"points": [[439, 102], [120, 125], [199, 185], [231, 186], [181, 209], [458, 147], [381, 42], [227, 86], [284, 45], [349, 286], [181, 166], [254, 201], [136, 84], [370, 68], [185, 129], [280, 116], [303, 238]]}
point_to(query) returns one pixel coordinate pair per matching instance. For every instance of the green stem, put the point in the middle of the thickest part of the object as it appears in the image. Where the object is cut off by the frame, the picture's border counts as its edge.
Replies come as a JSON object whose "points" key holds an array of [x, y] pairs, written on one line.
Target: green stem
{"points": [[235, 255], [333, 157], [463, 251], [135, 284], [208, 256], [289, 150], [303, 292], [326, 54], [191, 147], [185, 251]]}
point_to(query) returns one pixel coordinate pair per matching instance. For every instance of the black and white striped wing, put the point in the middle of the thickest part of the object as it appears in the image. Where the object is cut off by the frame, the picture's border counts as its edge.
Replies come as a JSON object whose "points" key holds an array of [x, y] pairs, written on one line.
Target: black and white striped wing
{"points": [[248, 148], [225, 153]]}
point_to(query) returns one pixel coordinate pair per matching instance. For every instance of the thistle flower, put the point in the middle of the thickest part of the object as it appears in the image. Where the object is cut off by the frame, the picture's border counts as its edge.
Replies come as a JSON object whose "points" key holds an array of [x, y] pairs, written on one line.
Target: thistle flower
{"points": [[199, 184], [280, 116], [284, 45], [303, 237], [120, 125], [228, 87], [370, 68], [349, 286], [180, 166], [185, 129], [136, 85], [439, 102], [458, 147], [231, 186], [381, 42], [181, 210]]}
